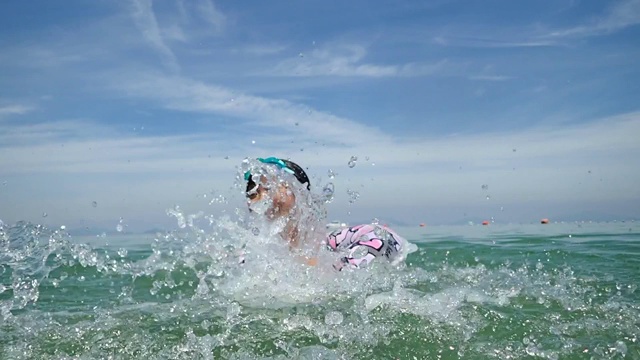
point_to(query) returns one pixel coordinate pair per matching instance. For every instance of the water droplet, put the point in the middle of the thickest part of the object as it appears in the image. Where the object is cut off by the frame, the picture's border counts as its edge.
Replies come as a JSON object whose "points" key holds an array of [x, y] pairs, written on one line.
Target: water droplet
{"points": [[366, 158], [488, 197], [122, 252], [333, 318], [301, 55], [485, 187], [297, 123], [353, 196], [301, 149], [501, 208], [328, 191], [255, 231], [514, 150], [62, 227], [234, 309], [331, 174], [621, 347], [352, 161], [44, 214], [94, 204], [375, 221], [119, 228], [253, 141]]}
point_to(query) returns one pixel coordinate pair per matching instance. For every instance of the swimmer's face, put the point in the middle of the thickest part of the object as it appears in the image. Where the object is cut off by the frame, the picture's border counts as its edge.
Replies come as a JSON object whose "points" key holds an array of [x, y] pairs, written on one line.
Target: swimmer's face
{"points": [[256, 194], [258, 198], [272, 201]]}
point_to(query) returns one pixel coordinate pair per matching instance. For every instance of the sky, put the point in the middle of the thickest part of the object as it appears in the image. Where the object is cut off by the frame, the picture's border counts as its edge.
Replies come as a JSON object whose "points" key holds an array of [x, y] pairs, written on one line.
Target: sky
{"points": [[114, 112]]}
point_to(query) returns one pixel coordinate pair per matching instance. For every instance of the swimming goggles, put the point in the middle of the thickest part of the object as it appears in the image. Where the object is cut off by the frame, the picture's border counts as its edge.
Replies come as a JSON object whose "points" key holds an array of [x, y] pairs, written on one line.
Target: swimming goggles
{"points": [[271, 160]]}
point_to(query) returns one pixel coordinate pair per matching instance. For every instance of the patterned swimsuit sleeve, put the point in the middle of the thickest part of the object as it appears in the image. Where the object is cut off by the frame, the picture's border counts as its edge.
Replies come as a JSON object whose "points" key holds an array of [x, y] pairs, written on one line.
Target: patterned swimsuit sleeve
{"points": [[362, 244]]}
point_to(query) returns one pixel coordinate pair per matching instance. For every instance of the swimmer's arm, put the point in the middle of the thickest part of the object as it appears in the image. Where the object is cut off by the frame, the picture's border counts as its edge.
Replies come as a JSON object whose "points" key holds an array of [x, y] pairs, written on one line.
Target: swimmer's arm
{"points": [[292, 238]]}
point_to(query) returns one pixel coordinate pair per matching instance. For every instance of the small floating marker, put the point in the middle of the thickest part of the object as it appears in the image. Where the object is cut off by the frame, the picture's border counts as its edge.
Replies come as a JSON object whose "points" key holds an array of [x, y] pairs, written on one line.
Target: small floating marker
{"points": [[486, 222], [544, 221], [422, 225]]}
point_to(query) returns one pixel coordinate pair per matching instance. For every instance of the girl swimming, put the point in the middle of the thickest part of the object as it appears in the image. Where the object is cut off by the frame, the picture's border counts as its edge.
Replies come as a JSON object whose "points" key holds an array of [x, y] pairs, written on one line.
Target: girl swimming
{"points": [[275, 198]]}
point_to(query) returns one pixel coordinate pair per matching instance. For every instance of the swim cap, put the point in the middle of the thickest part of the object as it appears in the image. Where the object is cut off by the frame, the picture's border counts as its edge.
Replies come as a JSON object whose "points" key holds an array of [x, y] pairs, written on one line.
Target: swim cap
{"points": [[287, 166]]}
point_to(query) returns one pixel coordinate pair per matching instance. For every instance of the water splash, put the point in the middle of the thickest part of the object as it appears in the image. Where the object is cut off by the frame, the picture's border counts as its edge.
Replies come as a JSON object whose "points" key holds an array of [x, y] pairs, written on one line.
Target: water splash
{"points": [[215, 288], [353, 195], [331, 174], [328, 191]]}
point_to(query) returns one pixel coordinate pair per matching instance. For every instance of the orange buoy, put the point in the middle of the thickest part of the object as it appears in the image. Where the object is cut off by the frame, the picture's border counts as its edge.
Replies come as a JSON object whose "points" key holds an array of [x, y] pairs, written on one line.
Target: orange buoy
{"points": [[544, 221], [486, 222]]}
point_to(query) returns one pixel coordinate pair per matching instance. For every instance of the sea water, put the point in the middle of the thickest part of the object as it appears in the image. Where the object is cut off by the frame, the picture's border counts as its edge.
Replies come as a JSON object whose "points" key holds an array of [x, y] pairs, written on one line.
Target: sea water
{"points": [[555, 291]]}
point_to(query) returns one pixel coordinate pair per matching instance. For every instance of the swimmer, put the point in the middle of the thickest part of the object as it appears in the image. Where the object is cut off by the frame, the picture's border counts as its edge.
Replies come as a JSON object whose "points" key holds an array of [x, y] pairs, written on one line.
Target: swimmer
{"points": [[275, 198], [360, 244]]}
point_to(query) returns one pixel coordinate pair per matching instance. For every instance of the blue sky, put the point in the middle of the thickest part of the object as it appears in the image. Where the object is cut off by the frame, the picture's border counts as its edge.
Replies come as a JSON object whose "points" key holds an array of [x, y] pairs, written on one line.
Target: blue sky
{"points": [[139, 106]]}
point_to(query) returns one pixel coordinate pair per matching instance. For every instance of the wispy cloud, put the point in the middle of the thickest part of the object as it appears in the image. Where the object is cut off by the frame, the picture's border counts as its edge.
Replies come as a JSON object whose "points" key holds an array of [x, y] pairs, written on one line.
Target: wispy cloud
{"points": [[621, 15], [90, 147], [490, 77], [209, 12], [545, 164], [15, 109], [145, 20], [347, 61], [518, 39], [28, 134], [184, 94], [194, 21], [261, 49]]}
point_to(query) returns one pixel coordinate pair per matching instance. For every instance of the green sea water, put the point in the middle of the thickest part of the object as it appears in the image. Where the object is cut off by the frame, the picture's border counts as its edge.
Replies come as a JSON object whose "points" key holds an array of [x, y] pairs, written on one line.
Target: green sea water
{"points": [[556, 291]]}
